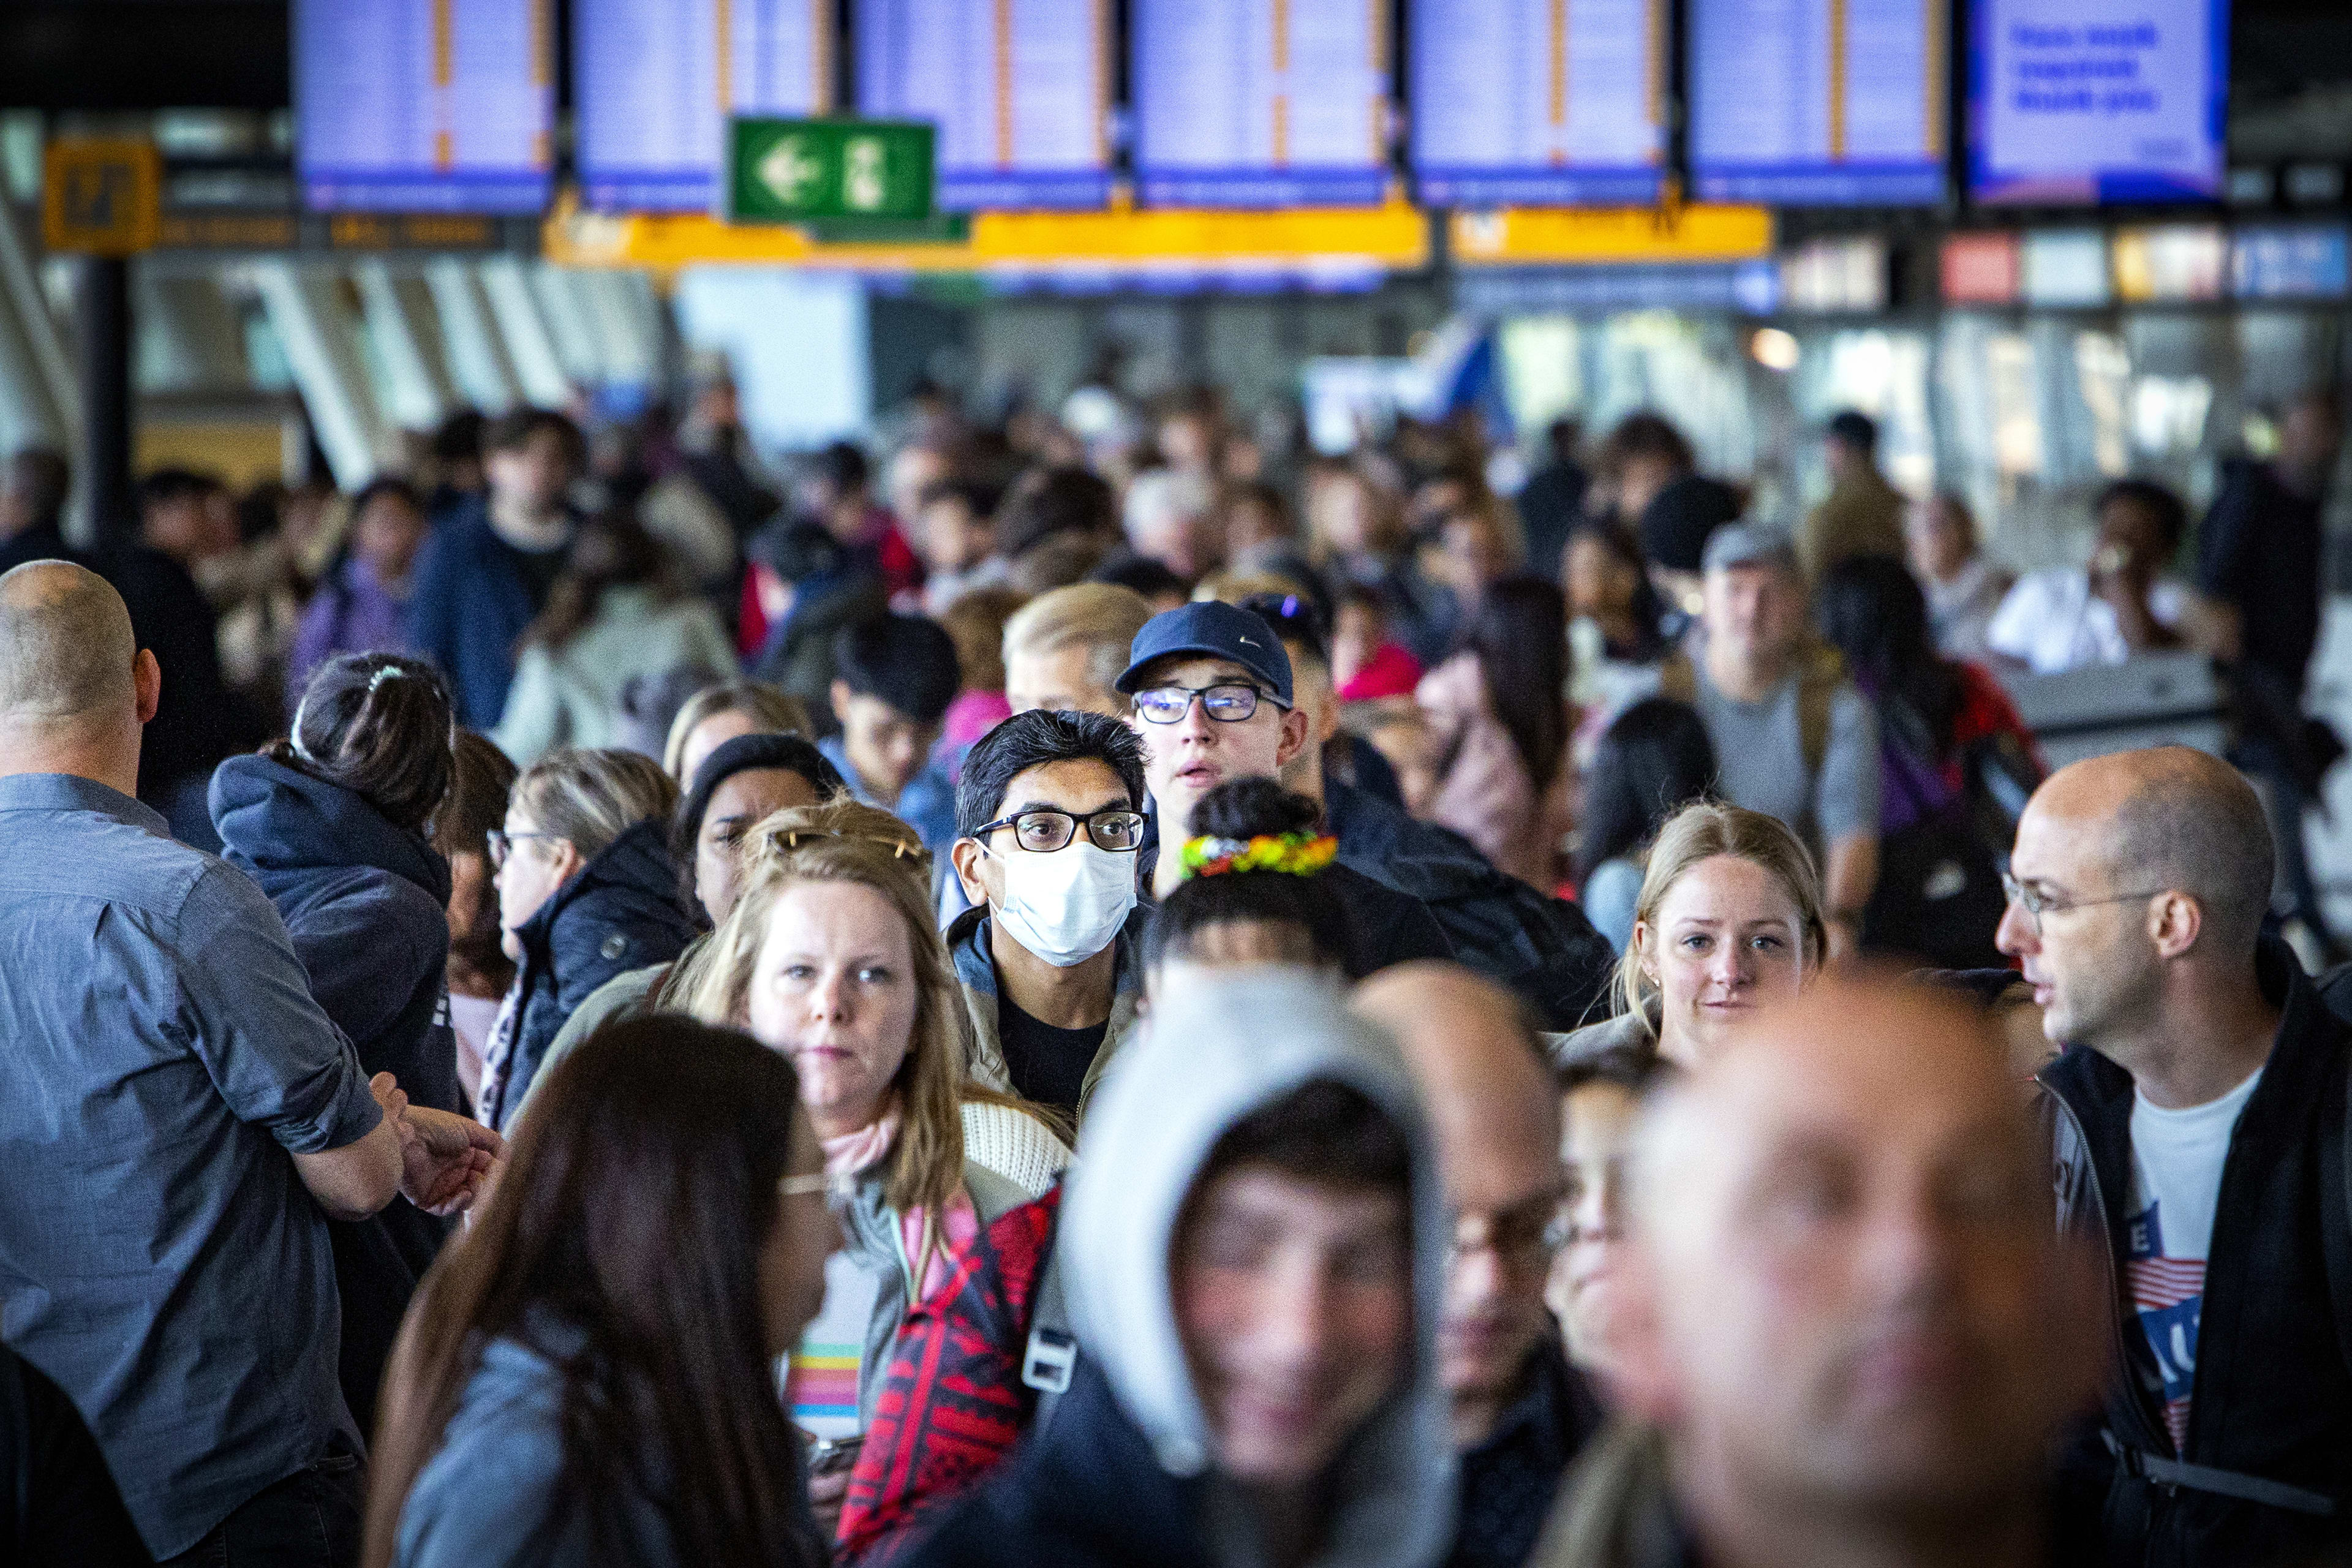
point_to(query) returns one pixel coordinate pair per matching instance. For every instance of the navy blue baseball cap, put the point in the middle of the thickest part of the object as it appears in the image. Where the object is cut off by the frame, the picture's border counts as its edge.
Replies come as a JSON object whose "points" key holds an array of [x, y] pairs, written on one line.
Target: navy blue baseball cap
{"points": [[1212, 629]]}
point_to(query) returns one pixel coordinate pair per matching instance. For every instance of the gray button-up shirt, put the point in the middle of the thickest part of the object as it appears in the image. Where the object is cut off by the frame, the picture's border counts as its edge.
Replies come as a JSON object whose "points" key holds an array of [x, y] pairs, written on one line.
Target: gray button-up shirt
{"points": [[160, 1055]]}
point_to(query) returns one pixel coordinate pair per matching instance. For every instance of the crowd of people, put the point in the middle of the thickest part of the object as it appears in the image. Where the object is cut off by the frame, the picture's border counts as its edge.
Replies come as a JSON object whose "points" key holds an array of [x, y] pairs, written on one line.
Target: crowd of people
{"points": [[1133, 998]]}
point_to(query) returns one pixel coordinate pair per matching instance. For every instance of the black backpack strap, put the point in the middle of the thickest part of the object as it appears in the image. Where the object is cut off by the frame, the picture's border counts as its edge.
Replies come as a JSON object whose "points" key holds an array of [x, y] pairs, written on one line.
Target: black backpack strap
{"points": [[1052, 1351]]}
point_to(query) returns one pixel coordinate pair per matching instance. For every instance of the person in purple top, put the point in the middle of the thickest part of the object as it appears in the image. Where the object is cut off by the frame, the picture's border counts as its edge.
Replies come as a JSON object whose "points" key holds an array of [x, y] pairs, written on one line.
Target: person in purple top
{"points": [[361, 606]]}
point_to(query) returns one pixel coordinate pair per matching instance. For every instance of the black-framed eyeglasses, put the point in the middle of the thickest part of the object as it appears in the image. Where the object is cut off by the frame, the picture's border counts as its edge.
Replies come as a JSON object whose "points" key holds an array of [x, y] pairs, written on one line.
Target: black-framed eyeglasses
{"points": [[1043, 830], [502, 843], [1228, 702], [2036, 903]]}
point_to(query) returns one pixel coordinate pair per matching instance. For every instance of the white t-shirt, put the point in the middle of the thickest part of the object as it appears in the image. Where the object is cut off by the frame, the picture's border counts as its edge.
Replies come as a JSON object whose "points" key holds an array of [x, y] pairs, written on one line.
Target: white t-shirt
{"points": [[820, 1378], [2177, 1158], [2054, 622]]}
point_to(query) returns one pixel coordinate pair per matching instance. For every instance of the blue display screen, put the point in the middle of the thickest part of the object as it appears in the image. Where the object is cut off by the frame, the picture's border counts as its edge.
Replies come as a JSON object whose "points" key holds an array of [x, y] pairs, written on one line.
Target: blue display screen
{"points": [[1818, 102], [423, 105], [1537, 102], [1020, 91], [2097, 101], [654, 81], [1260, 103]]}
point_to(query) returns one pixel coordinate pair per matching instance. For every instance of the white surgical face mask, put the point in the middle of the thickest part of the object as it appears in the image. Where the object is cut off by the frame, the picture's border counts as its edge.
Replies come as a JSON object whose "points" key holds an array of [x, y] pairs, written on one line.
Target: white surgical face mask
{"points": [[1066, 906]]}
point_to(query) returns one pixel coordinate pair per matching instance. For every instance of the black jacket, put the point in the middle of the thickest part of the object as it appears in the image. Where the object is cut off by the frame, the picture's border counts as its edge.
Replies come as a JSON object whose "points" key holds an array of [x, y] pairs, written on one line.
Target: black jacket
{"points": [[620, 912], [1510, 1481], [2273, 1392], [1085, 1493], [366, 906], [1542, 948]]}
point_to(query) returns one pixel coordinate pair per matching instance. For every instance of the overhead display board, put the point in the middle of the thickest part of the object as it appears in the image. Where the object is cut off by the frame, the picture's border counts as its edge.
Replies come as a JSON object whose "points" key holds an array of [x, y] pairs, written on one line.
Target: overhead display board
{"points": [[2291, 262], [2097, 101], [655, 80], [1818, 102], [1019, 88], [423, 105], [1260, 103], [1537, 102]]}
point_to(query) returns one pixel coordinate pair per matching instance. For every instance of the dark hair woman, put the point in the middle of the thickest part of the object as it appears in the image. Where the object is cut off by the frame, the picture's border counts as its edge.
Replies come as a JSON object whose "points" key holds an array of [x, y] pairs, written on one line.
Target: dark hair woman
{"points": [[1499, 711], [615, 614], [589, 1379], [1653, 759], [1939, 720], [332, 823], [738, 786], [1251, 893]]}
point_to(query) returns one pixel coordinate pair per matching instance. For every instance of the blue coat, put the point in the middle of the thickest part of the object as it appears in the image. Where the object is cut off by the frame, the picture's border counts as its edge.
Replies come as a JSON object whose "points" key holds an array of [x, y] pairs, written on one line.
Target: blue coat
{"points": [[366, 906], [469, 608], [620, 911]]}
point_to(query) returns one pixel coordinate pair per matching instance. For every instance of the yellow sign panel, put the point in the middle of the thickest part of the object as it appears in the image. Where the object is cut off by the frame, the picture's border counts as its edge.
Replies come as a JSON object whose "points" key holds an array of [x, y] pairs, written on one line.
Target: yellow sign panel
{"points": [[1395, 236], [102, 197], [1534, 235]]}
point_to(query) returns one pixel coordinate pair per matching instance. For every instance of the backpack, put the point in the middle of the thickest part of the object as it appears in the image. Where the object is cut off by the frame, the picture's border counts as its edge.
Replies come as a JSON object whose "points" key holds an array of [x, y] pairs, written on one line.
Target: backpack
{"points": [[1939, 896]]}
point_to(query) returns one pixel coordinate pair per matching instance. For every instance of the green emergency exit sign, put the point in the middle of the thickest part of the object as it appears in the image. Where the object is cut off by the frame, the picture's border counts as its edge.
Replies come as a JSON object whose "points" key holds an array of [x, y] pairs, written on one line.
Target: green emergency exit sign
{"points": [[786, 171]]}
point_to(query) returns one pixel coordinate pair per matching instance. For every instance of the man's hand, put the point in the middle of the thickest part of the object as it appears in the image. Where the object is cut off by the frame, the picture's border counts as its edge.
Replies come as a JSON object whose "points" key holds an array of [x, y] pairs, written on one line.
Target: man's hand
{"points": [[446, 1161]]}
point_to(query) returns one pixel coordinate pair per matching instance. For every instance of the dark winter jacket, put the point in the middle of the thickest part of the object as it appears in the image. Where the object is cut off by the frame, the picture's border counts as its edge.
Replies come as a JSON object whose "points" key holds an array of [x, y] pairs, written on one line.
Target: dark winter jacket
{"points": [[2272, 1401], [471, 601], [620, 912], [365, 904], [1542, 948]]}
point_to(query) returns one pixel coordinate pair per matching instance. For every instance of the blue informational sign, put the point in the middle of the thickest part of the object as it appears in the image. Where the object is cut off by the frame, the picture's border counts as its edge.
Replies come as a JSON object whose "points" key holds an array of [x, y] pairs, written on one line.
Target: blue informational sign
{"points": [[2097, 101], [1537, 102], [1260, 103], [2291, 261], [423, 105], [1020, 91], [654, 81], [1818, 102]]}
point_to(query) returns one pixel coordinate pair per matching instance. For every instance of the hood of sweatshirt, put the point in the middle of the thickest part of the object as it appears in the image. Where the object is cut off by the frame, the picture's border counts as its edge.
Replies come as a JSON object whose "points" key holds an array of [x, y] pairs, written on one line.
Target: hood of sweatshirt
{"points": [[276, 822], [1215, 1051]]}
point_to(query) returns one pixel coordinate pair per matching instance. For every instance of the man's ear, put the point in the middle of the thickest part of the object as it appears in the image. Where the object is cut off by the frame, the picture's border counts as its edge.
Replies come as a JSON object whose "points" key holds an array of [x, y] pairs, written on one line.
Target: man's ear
{"points": [[146, 684], [2174, 922], [839, 695], [1293, 737], [965, 855]]}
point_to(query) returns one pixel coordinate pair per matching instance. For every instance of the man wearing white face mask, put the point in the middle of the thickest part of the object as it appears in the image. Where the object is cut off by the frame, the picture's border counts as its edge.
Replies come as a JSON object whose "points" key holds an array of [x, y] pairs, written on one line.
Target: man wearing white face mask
{"points": [[1047, 828]]}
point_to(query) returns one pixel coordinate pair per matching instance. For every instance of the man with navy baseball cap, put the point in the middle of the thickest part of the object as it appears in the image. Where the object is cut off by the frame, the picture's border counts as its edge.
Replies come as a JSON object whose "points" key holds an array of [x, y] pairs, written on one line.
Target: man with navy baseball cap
{"points": [[1212, 688]]}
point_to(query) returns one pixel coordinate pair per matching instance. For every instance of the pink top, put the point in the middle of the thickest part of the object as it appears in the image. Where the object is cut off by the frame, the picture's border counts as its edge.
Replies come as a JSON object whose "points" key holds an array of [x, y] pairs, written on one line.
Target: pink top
{"points": [[1485, 793]]}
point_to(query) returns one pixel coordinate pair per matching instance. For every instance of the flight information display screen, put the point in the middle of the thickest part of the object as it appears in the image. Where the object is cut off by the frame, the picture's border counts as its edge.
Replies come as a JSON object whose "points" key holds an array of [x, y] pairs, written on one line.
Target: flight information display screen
{"points": [[2097, 101], [423, 105], [1818, 102], [1260, 103], [654, 81], [1537, 102], [1020, 90]]}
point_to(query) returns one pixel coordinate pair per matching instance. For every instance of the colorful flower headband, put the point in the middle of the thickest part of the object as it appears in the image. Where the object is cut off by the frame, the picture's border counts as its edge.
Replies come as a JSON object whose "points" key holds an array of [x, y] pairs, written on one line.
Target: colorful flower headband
{"points": [[1292, 854]]}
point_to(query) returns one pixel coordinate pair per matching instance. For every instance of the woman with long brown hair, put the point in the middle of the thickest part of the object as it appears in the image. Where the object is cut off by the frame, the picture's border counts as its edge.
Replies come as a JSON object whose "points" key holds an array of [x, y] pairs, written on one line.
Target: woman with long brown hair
{"points": [[830, 957], [585, 1378]]}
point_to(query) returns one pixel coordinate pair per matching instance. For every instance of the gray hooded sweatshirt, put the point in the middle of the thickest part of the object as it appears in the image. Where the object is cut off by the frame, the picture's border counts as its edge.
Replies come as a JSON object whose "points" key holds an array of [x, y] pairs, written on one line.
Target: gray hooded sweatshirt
{"points": [[1216, 1049]]}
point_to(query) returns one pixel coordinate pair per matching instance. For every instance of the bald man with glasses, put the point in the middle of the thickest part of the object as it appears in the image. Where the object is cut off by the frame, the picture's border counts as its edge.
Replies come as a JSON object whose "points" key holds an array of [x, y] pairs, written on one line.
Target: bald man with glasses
{"points": [[2199, 1129]]}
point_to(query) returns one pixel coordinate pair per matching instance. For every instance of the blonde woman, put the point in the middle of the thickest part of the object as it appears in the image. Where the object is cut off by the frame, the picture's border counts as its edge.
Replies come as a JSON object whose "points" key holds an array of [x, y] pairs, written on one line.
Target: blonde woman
{"points": [[830, 957], [1729, 917]]}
